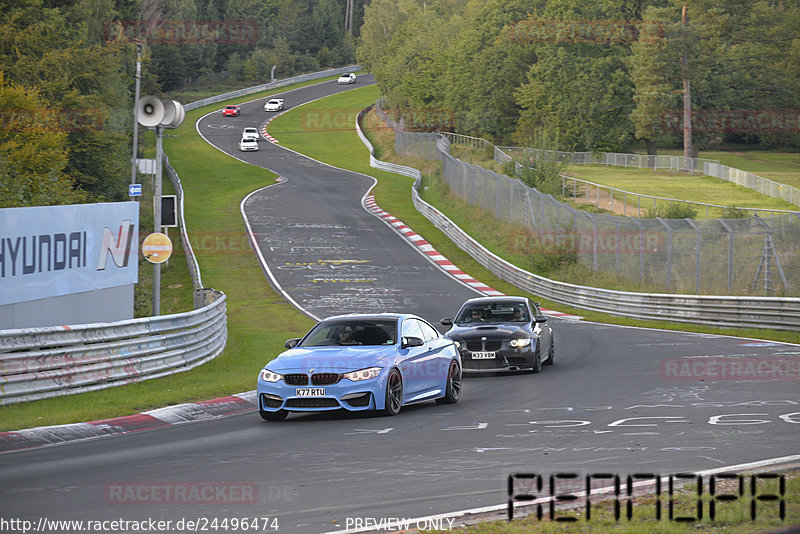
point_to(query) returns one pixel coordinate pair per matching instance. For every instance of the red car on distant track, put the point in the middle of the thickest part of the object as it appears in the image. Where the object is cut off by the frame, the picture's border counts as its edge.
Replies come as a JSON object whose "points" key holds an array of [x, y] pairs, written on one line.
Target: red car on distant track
{"points": [[231, 111]]}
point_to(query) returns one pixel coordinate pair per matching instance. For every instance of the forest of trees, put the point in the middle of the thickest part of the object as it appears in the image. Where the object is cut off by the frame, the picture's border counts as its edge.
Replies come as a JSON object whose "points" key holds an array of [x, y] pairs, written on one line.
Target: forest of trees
{"points": [[568, 74], [604, 75], [67, 70]]}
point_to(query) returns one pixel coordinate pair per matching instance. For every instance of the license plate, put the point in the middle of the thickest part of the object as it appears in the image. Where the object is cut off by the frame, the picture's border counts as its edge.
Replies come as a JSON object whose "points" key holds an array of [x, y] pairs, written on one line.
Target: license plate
{"points": [[311, 392], [483, 355]]}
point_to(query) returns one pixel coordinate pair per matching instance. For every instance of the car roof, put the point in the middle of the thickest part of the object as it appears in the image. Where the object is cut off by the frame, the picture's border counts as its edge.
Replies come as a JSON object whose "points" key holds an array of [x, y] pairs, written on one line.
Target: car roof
{"points": [[504, 298], [359, 316]]}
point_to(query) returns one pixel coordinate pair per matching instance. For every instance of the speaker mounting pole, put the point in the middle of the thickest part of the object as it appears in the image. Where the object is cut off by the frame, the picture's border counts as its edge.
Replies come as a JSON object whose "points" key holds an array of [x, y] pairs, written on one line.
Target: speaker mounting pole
{"points": [[157, 216], [136, 110], [158, 114]]}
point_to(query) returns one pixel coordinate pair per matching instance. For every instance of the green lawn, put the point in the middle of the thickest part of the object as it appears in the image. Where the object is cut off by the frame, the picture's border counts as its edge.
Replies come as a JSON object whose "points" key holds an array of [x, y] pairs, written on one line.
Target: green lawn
{"points": [[782, 167], [681, 186]]}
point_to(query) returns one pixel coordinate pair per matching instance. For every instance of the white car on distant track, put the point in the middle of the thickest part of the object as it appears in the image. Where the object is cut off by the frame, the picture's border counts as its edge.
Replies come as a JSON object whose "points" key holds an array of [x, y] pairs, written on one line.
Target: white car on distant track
{"points": [[346, 78], [248, 144], [273, 104], [250, 133]]}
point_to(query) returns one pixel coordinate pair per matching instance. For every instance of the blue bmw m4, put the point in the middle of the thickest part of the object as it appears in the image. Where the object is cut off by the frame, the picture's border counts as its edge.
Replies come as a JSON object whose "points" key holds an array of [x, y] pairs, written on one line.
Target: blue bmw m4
{"points": [[361, 362]]}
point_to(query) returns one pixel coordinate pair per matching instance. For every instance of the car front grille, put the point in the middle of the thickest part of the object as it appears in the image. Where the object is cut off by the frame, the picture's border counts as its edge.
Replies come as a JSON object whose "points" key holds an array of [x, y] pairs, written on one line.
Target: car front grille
{"points": [[312, 403], [474, 346], [359, 402], [296, 379], [325, 379]]}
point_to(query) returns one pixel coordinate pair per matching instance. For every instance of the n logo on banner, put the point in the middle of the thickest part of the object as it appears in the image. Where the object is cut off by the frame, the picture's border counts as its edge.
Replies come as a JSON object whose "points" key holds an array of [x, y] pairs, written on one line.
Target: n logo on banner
{"points": [[120, 249]]}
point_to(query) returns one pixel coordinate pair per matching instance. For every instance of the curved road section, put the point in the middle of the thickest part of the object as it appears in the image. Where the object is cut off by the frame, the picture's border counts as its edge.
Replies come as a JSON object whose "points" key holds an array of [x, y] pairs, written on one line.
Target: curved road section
{"points": [[618, 400]]}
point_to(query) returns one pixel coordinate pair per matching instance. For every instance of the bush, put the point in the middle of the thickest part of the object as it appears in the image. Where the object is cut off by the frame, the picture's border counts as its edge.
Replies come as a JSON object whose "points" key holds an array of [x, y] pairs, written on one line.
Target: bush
{"points": [[735, 213], [544, 176], [673, 210]]}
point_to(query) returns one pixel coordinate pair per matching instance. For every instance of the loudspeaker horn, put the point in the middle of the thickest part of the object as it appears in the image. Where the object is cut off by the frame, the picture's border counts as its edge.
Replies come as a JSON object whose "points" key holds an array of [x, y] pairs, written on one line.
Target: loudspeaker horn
{"points": [[151, 111], [173, 114]]}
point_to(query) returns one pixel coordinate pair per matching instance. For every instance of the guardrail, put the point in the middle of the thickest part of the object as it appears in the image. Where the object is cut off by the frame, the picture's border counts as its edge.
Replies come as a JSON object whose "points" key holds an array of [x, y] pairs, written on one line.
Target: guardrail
{"points": [[779, 313], [270, 85], [37, 363]]}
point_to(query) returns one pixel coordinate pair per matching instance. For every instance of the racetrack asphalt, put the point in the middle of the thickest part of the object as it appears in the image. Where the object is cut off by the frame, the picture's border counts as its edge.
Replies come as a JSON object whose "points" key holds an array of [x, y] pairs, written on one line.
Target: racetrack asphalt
{"points": [[614, 402]]}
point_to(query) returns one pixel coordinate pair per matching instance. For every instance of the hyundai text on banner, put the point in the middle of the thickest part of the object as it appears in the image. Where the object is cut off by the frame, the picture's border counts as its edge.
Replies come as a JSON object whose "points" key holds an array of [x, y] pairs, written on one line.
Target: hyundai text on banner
{"points": [[50, 251]]}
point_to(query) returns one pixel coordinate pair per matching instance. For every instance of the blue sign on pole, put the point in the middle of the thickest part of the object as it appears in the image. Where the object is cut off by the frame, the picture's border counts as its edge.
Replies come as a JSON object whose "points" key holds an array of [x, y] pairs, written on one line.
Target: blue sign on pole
{"points": [[135, 190]]}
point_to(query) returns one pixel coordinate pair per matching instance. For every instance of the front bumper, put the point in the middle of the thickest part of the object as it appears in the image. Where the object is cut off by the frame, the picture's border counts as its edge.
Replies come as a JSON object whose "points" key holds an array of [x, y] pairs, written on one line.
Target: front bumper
{"points": [[345, 395], [506, 359]]}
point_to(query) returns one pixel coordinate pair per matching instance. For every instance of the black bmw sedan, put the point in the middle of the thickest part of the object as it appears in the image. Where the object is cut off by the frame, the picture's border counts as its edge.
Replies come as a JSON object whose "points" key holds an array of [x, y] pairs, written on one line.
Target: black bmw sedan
{"points": [[501, 334]]}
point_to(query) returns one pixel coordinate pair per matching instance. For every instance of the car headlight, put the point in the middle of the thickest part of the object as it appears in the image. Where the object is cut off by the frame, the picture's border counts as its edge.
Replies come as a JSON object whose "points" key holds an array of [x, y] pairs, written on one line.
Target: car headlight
{"points": [[363, 374], [521, 342], [268, 376]]}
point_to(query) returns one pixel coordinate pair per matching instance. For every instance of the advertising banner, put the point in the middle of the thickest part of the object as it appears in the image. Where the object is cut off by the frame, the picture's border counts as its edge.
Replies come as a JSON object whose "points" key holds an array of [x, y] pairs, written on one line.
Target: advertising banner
{"points": [[49, 251]]}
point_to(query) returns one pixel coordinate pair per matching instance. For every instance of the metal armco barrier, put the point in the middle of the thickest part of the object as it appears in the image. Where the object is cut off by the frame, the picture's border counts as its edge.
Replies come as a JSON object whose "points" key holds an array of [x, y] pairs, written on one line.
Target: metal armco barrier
{"points": [[779, 313], [37, 363], [270, 85]]}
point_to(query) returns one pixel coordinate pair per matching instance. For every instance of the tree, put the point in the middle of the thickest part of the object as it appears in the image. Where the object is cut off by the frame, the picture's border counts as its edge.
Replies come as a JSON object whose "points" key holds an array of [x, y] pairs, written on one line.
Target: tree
{"points": [[654, 68], [33, 153], [579, 89]]}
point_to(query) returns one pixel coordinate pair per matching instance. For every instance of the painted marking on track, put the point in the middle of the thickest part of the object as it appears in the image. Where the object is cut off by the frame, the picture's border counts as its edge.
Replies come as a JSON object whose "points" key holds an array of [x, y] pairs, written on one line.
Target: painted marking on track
{"points": [[369, 431], [479, 426], [264, 132]]}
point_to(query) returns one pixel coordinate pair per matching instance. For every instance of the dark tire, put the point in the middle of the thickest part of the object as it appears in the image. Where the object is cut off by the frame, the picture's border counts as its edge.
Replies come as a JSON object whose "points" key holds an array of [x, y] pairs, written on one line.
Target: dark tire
{"points": [[280, 415], [394, 393], [453, 390], [551, 354], [537, 359]]}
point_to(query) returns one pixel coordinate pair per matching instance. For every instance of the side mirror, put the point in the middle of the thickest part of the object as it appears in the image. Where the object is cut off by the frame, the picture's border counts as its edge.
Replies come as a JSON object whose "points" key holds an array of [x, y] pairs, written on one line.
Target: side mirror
{"points": [[540, 319], [291, 343], [411, 341], [447, 321]]}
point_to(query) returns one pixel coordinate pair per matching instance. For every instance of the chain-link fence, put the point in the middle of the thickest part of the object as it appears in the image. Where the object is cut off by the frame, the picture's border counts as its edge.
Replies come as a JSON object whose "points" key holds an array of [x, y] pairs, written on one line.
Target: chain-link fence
{"points": [[716, 256]]}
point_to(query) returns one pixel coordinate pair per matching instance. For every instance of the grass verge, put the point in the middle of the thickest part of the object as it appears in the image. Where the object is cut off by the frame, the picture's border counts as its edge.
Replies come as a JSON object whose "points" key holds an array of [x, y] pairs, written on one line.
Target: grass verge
{"points": [[680, 186], [782, 167]]}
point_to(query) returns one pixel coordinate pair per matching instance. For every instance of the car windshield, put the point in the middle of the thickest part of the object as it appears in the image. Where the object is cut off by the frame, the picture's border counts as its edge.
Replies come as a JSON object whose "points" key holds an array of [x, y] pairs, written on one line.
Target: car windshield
{"points": [[352, 332], [274, 102], [230, 107], [248, 140], [493, 312]]}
